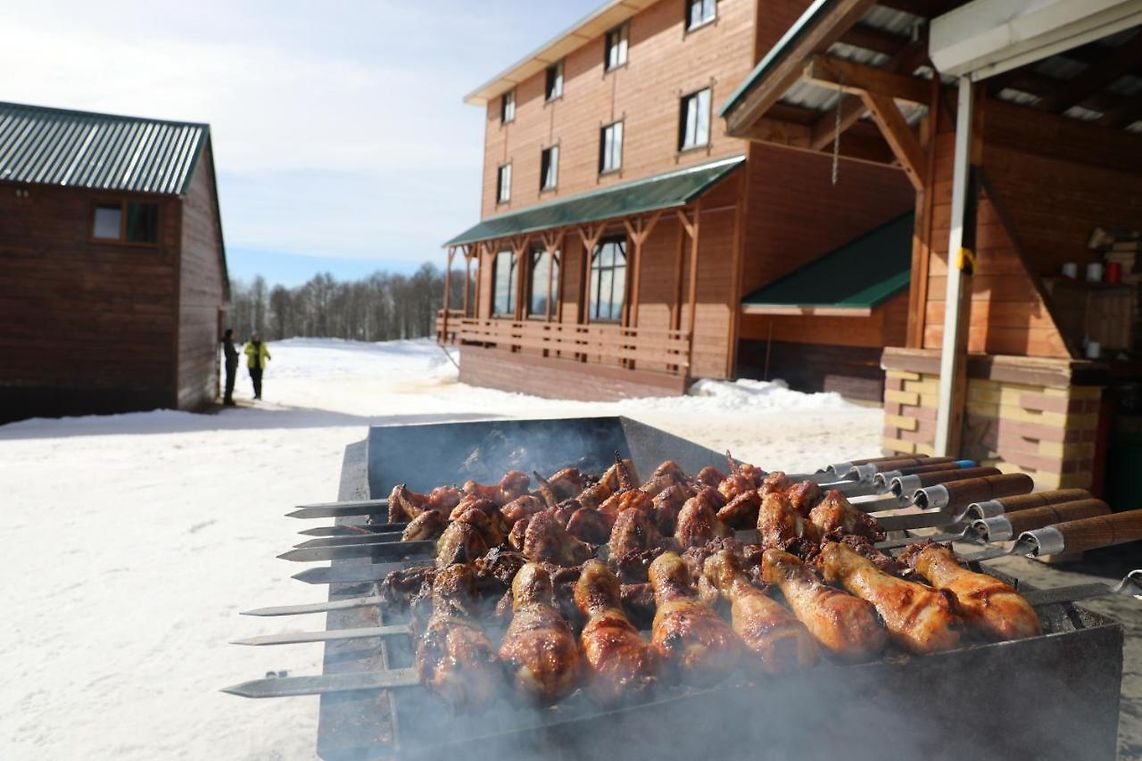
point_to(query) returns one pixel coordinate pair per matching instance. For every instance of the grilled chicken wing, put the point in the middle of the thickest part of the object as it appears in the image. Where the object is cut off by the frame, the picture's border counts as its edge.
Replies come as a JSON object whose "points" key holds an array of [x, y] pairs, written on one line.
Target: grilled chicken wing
{"points": [[845, 625], [984, 601], [513, 484], [667, 504], [428, 525], [698, 521], [566, 483], [634, 531], [743, 477], [781, 526], [918, 618], [689, 636], [589, 525], [709, 476], [619, 662], [778, 640], [455, 659], [627, 499], [804, 496], [461, 542], [404, 504], [539, 650], [776, 481], [522, 507], [837, 517], [546, 541], [665, 475], [741, 511]]}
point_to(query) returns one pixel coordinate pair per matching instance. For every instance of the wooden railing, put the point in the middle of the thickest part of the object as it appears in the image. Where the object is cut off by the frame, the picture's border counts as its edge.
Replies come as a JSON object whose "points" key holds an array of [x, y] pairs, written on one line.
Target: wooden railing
{"points": [[642, 348], [454, 318]]}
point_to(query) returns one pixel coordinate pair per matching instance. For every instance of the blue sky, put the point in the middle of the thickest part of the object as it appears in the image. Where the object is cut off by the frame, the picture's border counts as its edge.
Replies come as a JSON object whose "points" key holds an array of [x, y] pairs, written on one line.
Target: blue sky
{"points": [[341, 140]]}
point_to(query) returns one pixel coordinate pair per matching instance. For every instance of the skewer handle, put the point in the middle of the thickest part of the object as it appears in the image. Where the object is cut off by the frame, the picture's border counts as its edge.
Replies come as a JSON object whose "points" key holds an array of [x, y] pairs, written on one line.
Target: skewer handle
{"points": [[1001, 506], [1000, 528], [974, 489], [1090, 533], [906, 486]]}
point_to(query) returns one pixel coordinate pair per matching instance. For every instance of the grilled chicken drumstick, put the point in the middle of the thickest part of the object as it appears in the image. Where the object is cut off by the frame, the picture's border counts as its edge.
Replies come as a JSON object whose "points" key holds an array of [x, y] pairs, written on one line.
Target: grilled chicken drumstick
{"points": [[539, 649], [455, 659], [689, 636], [984, 601], [843, 624], [779, 641], [918, 618], [618, 661]]}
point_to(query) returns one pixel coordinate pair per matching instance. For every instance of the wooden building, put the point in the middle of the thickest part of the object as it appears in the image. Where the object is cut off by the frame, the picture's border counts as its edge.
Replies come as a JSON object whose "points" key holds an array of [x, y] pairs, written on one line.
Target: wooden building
{"points": [[112, 266], [627, 241], [1019, 131]]}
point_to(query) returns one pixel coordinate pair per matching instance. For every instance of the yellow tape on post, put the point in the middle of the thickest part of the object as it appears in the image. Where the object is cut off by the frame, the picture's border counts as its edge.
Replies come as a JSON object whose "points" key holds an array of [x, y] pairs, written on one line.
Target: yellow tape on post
{"points": [[966, 261]]}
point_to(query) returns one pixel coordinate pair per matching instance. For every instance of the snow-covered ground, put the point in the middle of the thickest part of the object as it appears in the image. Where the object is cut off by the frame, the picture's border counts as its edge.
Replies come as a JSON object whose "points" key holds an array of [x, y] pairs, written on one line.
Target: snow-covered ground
{"points": [[132, 541]]}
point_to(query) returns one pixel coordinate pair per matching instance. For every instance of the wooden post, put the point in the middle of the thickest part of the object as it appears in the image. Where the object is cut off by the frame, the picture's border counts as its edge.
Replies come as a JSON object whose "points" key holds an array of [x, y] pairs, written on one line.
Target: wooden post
{"points": [[549, 249], [468, 251], [922, 231], [447, 293], [694, 242], [679, 258], [957, 300], [590, 236]]}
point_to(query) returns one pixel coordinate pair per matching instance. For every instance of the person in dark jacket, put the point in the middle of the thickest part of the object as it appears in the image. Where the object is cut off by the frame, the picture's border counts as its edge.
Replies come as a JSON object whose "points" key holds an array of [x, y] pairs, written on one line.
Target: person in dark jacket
{"points": [[256, 357], [231, 356]]}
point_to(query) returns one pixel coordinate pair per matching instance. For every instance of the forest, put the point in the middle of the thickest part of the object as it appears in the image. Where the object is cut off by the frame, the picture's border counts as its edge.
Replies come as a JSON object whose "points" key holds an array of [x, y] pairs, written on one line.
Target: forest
{"points": [[380, 307]]}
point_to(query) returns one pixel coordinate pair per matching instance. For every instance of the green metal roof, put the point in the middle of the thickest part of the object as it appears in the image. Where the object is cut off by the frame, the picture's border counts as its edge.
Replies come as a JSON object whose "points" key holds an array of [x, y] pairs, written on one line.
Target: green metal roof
{"points": [[860, 274], [51, 146], [807, 21], [663, 191]]}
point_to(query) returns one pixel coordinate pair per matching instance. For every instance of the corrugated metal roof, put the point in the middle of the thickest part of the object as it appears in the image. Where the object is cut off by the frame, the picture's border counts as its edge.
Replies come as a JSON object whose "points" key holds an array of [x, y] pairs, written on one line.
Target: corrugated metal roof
{"points": [[858, 275], [51, 146], [663, 191]]}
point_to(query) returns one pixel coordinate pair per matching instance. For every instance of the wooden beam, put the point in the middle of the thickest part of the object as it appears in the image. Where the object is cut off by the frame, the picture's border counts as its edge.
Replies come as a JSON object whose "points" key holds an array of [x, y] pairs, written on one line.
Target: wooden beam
{"points": [[1117, 61], [905, 61], [768, 130], [1124, 115], [898, 135], [694, 242], [878, 40], [858, 78], [785, 72], [928, 9], [922, 231]]}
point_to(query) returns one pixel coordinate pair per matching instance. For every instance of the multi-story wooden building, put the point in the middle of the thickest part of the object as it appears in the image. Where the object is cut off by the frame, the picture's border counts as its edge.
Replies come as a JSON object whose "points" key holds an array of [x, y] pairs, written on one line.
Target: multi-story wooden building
{"points": [[629, 244], [112, 266]]}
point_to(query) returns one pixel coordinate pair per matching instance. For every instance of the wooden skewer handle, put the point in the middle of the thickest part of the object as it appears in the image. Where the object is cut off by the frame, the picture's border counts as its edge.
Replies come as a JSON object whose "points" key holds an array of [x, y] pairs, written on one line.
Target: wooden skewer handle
{"points": [[962, 493], [1038, 517], [1039, 499], [899, 463], [959, 474], [1101, 531], [923, 468], [894, 458]]}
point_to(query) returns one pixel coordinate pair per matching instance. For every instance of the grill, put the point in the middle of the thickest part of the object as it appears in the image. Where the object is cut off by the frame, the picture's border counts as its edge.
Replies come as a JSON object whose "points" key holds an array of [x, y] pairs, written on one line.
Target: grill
{"points": [[1054, 696]]}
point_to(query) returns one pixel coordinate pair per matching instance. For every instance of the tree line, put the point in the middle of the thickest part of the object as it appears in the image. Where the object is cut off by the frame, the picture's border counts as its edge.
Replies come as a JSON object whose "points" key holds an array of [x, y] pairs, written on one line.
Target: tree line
{"points": [[380, 307]]}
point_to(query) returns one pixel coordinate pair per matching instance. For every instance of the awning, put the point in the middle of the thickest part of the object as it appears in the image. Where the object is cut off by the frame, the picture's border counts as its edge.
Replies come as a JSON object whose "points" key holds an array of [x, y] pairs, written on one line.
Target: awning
{"points": [[848, 281], [663, 191]]}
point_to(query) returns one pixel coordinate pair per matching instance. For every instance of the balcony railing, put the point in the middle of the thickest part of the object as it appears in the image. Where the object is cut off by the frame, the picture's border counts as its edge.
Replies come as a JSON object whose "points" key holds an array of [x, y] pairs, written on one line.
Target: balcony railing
{"points": [[653, 349]]}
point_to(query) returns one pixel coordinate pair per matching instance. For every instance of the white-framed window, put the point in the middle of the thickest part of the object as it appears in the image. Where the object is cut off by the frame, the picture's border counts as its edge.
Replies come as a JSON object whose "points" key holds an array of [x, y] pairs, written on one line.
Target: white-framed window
{"points": [[611, 148], [700, 12], [615, 47], [554, 85], [504, 183], [549, 168], [507, 107], [694, 120], [608, 280]]}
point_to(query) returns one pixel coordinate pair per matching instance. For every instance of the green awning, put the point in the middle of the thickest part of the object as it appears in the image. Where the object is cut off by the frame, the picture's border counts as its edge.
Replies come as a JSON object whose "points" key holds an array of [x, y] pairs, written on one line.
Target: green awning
{"points": [[663, 191], [859, 275]]}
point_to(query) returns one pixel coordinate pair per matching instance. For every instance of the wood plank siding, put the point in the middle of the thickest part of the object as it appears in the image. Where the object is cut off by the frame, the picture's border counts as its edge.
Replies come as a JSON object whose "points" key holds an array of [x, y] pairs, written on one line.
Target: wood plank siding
{"points": [[201, 290], [84, 319]]}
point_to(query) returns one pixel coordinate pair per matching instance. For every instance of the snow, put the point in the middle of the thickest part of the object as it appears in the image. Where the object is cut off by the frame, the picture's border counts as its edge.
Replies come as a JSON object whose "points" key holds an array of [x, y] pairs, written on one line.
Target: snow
{"points": [[132, 541]]}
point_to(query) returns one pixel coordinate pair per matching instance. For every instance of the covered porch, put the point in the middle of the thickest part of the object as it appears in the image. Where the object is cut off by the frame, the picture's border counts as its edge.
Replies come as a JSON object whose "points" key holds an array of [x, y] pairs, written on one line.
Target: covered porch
{"points": [[600, 295]]}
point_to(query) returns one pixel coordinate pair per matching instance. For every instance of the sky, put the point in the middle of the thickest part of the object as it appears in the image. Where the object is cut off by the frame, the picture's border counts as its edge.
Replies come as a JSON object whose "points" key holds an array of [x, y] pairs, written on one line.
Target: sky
{"points": [[341, 139]]}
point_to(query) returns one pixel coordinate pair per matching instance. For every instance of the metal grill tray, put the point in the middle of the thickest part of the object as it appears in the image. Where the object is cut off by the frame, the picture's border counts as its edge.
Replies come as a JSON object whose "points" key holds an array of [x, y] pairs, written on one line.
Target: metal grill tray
{"points": [[1050, 697]]}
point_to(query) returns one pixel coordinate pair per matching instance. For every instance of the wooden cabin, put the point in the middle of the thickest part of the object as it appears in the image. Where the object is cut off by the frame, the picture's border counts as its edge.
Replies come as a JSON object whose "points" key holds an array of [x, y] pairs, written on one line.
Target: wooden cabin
{"points": [[626, 240], [1024, 152], [112, 267]]}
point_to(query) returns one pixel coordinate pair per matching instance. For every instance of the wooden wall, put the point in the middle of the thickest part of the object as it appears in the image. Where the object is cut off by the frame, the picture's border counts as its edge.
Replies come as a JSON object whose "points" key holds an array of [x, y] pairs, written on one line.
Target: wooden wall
{"points": [[664, 64], [201, 290], [884, 327], [83, 318], [1054, 180]]}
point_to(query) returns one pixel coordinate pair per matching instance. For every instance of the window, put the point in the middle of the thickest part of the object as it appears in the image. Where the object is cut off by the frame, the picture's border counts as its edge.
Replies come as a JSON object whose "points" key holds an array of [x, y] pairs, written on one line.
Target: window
{"points": [[549, 168], [504, 184], [694, 120], [504, 284], [611, 148], [507, 107], [554, 88], [127, 221], [700, 12], [608, 280], [544, 271], [615, 47]]}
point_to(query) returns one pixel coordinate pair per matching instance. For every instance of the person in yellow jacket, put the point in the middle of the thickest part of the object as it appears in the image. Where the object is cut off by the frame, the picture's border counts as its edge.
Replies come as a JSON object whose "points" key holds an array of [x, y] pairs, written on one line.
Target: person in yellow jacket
{"points": [[256, 357]]}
